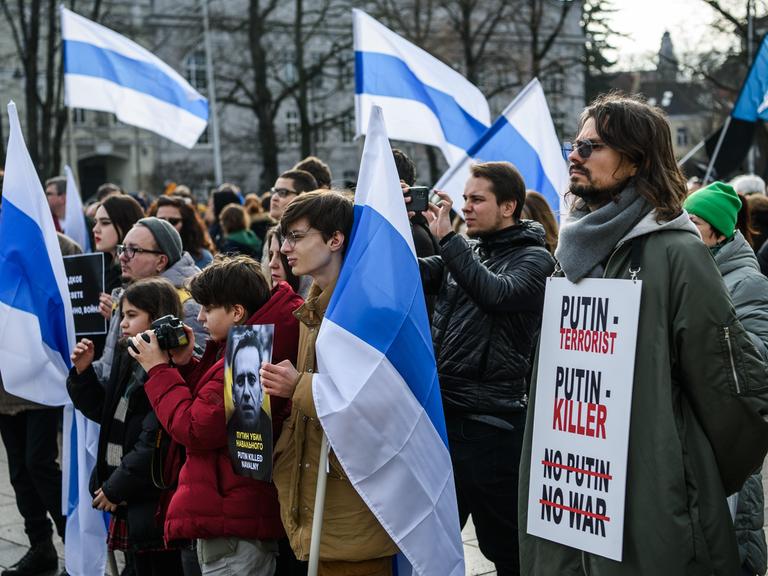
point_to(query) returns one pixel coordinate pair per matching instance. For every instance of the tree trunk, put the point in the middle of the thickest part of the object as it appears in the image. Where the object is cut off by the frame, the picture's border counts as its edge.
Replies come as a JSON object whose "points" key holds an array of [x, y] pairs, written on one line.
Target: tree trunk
{"points": [[32, 36], [263, 103], [302, 87], [47, 167]]}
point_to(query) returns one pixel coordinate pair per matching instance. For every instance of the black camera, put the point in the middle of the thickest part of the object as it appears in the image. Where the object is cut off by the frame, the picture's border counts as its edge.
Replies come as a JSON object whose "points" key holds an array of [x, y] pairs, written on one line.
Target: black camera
{"points": [[419, 198], [169, 331]]}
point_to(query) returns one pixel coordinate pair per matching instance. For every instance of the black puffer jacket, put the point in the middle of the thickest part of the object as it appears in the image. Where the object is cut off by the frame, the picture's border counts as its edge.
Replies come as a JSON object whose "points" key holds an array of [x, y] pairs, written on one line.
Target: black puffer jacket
{"points": [[131, 481], [487, 316]]}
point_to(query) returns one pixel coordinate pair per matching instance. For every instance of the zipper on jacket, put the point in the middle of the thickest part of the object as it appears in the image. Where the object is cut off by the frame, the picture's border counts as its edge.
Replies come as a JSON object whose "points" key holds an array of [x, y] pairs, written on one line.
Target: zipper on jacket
{"points": [[607, 264], [584, 563], [727, 333]]}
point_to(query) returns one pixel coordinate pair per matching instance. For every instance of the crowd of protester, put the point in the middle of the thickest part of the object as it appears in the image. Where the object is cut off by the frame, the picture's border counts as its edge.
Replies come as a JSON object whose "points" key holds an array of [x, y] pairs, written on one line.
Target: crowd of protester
{"points": [[163, 467]]}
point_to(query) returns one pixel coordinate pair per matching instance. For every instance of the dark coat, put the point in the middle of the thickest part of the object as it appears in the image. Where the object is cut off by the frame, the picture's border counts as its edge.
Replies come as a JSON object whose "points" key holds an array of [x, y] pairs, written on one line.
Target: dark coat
{"points": [[131, 482], [211, 501], [697, 429], [487, 316]]}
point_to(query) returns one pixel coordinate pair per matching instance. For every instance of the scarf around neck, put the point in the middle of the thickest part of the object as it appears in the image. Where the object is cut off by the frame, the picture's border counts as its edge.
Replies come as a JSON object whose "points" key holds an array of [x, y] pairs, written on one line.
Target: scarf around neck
{"points": [[588, 238]]}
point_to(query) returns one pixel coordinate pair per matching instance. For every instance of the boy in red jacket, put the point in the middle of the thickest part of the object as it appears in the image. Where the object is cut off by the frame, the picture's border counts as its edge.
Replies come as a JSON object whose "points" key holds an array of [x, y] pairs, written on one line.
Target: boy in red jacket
{"points": [[236, 520]]}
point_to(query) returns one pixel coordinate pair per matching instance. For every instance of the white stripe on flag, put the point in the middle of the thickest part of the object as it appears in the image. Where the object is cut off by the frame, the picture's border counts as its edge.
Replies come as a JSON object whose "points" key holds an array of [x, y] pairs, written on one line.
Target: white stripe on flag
{"points": [[74, 219], [80, 29], [413, 122], [375, 37], [30, 369], [134, 108], [37, 331], [364, 387], [85, 545]]}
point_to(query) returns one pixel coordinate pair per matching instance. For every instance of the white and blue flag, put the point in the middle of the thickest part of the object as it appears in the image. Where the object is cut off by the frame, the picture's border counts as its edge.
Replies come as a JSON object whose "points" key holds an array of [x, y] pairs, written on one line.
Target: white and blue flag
{"points": [[74, 216], [37, 335], [378, 397], [85, 546], [37, 332], [525, 136], [106, 71], [423, 99]]}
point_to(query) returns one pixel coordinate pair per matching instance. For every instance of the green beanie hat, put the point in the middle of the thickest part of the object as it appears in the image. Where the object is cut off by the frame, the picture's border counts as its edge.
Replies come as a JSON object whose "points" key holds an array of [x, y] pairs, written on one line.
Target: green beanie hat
{"points": [[717, 204]]}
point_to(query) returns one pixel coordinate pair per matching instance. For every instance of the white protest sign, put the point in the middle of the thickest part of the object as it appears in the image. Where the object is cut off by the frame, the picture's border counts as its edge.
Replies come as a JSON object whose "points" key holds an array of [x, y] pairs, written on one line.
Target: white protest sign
{"points": [[581, 419]]}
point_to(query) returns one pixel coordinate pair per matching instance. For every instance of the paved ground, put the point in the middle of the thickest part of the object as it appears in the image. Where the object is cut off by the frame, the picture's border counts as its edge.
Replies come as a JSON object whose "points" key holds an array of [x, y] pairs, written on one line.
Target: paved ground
{"points": [[13, 541]]}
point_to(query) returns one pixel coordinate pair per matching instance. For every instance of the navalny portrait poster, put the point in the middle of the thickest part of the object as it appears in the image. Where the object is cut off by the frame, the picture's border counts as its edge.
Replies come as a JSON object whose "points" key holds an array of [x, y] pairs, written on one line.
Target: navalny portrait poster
{"points": [[248, 410]]}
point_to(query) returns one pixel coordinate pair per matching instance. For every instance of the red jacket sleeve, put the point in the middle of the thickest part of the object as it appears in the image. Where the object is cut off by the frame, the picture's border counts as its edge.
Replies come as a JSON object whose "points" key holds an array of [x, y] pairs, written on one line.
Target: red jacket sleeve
{"points": [[197, 421]]}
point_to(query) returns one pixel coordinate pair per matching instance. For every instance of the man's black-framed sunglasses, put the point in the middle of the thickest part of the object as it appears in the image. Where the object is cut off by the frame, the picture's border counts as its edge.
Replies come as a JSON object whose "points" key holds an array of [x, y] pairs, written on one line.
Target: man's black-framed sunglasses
{"points": [[131, 251], [584, 147], [282, 192]]}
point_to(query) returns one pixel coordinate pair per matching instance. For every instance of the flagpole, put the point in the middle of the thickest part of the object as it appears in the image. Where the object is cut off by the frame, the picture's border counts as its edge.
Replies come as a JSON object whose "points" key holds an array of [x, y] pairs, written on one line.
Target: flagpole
{"points": [[317, 516], [217, 169], [717, 150], [137, 144], [691, 153]]}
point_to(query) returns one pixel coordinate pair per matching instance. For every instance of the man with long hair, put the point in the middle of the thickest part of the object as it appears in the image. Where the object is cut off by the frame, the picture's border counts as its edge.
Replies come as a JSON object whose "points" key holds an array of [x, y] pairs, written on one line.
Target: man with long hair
{"points": [[699, 400]]}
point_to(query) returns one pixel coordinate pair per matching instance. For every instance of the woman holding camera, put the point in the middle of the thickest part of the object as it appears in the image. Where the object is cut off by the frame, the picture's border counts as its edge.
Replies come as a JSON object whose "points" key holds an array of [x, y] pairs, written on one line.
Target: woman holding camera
{"points": [[127, 464]]}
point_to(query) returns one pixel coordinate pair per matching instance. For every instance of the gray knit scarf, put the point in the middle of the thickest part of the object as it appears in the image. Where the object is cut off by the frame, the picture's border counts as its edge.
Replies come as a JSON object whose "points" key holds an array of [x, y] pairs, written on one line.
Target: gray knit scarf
{"points": [[588, 238]]}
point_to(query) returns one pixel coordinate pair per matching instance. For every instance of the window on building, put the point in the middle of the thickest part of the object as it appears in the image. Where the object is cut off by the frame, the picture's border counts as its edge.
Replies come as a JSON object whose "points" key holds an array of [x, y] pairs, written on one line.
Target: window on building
{"points": [[682, 136], [320, 128], [205, 136], [347, 128], [79, 117], [194, 71], [558, 119], [349, 177], [345, 72], [317, 81], [105, 119], [554, 83], [288, 67], [292, 127]]}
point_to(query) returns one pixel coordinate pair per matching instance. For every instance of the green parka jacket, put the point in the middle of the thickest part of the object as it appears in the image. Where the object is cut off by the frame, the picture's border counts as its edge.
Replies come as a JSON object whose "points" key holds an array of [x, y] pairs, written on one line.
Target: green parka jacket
{"points": [[698, 425]]}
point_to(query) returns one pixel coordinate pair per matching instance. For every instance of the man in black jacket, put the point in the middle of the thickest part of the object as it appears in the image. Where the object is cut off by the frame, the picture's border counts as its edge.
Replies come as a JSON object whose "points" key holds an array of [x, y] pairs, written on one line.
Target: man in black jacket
{"points": [[489, 305]]}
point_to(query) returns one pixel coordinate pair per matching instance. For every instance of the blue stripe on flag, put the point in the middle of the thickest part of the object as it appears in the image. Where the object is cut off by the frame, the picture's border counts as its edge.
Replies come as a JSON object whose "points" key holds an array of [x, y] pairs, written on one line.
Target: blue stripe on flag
{"points": [[382, 271], [28, 282], [385, 75], [74, 485], [502, 142], [89, 60]]}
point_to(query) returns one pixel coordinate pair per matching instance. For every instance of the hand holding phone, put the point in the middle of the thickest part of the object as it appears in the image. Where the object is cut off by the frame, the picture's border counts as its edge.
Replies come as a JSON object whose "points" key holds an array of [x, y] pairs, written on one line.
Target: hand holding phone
{"points": [[419, 198]]}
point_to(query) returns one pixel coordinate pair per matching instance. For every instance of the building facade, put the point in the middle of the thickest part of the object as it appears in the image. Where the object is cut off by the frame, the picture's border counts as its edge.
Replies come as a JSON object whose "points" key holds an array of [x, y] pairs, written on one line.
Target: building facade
{"points": [[309, 70]]}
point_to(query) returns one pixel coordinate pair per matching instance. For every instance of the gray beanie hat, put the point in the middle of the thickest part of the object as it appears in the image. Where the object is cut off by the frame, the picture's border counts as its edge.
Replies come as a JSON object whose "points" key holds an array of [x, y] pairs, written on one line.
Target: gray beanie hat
{"points": [[166, 236]]}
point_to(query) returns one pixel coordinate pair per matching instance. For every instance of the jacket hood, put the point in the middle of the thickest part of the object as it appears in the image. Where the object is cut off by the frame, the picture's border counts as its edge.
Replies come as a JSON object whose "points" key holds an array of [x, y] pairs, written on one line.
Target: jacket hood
{"points": [[735, 254], [181, 271], [282, 303], [527, 232], [246, 238], [649, 225]]}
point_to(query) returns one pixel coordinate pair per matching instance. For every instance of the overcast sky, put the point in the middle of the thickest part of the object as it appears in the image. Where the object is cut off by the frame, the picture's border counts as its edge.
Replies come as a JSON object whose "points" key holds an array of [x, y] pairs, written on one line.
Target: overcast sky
{"points": [[644, 21]]}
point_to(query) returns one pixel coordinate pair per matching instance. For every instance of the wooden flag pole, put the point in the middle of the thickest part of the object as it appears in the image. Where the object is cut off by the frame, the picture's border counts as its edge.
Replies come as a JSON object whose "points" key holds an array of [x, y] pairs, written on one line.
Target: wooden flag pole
{"points": [[317, 517]]}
